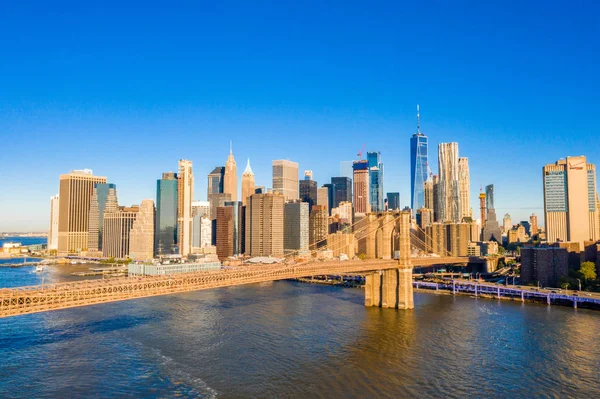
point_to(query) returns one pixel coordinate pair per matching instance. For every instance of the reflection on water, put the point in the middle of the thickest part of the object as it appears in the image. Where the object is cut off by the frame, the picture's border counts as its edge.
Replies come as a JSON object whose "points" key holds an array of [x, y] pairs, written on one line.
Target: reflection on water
{"points": [[295, 340]]}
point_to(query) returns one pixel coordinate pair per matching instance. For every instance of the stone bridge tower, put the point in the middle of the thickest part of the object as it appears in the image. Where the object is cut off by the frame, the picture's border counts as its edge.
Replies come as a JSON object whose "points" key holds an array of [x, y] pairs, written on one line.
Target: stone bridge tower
{"points": [[389, 288]]}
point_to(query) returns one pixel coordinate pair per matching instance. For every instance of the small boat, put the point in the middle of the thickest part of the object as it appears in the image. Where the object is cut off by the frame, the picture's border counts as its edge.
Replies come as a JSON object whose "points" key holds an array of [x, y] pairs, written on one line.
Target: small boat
{"points": [[39, 268]]}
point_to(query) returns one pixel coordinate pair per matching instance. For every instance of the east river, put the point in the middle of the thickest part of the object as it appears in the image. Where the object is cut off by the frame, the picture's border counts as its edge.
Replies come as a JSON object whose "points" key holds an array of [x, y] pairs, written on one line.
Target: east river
{"points": [[296, 340]]}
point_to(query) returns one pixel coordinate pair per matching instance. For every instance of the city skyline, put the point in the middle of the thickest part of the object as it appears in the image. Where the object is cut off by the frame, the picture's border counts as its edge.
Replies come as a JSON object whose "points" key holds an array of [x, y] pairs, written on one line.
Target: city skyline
{"points": [[74, 98]]}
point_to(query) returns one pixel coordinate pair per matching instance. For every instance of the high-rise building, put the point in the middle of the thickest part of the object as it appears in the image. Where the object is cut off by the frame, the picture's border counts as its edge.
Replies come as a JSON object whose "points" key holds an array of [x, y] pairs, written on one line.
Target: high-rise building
{"points": [[75, 193], [418, 167], [393, 200], [424, 217], [449, 193], [435, 182], [545, 265], [238, 226], [165, 227], [205, 232], [323, 196], [200, 208], [117, 232], [185, 196], [264, 224], [482, 208], [491, 229], [308, 190], [570, 212], [285, 178], [248, 184], [296, 227], [533, 221], [489, 198], [342, 190], [330, 196], [464, 187], [217, 200], [507, 223], [215, 180], [362, 202], [230, 180], [428, 194], [318, 227], [375, 181], [104, 199], [141, 237], [225, 232], [53, 231]]}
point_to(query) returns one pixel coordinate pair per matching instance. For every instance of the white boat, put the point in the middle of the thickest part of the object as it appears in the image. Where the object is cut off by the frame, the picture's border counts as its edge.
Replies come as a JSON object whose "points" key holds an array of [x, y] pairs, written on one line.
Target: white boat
{"points": [[40, 268]]}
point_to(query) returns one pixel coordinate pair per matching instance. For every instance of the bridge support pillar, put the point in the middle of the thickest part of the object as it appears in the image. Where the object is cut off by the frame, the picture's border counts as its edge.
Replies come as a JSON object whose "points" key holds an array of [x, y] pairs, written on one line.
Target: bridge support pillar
{"points": [[373, 289]]}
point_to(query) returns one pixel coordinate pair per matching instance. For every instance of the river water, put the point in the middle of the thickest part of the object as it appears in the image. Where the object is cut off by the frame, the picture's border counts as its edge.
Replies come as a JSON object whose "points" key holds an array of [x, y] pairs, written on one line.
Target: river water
{"points": [[296, 340]]}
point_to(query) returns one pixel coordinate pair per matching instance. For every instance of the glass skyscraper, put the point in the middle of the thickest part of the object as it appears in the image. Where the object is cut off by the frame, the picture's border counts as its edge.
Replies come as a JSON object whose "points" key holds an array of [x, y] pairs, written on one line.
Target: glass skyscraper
{"points": [[375, 181], [418, 170], [165, 236], [342, 190]]}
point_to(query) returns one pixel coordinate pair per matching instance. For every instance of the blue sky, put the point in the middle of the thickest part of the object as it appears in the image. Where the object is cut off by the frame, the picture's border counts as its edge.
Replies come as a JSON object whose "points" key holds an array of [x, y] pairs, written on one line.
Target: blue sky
{"points": [[128, 90]]}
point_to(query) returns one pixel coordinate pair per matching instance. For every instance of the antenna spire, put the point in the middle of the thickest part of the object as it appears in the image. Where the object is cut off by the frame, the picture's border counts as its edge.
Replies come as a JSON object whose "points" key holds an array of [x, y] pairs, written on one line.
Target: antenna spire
{"points": [[230, 147], [418, 120]]}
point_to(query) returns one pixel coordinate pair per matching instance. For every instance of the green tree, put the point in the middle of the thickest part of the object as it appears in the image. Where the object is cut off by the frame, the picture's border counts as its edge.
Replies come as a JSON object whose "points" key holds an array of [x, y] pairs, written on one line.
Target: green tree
{"points": [[588, 270]]}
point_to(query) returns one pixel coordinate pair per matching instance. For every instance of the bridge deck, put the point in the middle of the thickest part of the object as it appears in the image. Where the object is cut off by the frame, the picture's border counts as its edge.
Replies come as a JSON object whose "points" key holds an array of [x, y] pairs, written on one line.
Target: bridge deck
{"points": [[24, 300]]}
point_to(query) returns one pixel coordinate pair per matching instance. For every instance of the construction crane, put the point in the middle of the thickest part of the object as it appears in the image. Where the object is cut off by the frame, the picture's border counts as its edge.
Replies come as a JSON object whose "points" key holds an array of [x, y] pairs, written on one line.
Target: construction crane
{"points": [[362, 151]]}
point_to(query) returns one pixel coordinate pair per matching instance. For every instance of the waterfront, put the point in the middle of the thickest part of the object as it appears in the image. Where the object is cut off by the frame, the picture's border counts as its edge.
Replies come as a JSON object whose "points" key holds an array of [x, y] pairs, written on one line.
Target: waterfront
{"points": [[297, 340]]}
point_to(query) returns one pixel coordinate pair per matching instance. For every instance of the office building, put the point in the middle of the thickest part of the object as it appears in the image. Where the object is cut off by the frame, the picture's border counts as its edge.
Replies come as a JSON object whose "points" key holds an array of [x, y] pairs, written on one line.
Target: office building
{"points": [[342, 190], [75, 193], [323, 196], [418, 168], [104, 199], [362, 201], [230, 180], [205, 232], [435, 239], [296, 227], [53, 231], [428, 194], [342, 243], [533, 221], [117, 232], [217, 200], [215, 181], [165, 234], [248, 184], [449, 193], [343, 213], [318, 227], [464, 187], [545, 265], [507, 223], [308, 190], [491, 230], [225, 232], [264, 224], [185, 196], [517, 235], [393, 201], [435, 180], [285, 179], [330, 196], [200, 208], [238, 226], [141, 240], [424, 217], [489, 197], [570, 212], [375, 181]]}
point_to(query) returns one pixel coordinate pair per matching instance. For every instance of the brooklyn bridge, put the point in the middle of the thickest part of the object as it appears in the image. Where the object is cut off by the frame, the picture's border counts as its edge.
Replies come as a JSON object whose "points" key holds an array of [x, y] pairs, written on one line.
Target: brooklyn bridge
{"points": [[379, 236]]}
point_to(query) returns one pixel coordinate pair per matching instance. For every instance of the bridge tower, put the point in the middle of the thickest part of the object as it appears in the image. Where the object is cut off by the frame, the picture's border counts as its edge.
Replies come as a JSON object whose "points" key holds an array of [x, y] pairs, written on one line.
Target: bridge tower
{"points": [[392, 288]]}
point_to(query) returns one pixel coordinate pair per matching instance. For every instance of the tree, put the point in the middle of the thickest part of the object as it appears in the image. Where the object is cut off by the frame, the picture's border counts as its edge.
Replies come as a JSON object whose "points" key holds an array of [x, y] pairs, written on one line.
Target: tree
{"points": [[588, 270]]}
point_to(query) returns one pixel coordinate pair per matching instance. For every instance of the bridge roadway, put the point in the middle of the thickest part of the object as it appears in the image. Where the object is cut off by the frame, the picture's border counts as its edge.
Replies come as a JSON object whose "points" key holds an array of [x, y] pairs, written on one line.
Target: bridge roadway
{"points": [[42, 298]]}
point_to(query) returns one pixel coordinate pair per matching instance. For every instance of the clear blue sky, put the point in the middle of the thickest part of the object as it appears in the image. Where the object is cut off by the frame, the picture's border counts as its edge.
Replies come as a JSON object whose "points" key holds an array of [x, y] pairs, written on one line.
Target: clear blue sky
{"points": [[128, 90]]}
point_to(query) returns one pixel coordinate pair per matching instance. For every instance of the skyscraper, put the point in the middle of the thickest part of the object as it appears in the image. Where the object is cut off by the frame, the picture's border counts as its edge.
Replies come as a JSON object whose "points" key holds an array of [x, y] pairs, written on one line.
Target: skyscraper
{"points": [[215, 180], [225, 232], [507, 223], [342, 190], [464, 184], [75, 193], [53, 231], [141, 237], [165, 234], [393, 200], [238, 232], [296, 225], [264, 225], [449, 193], [104, 199], [533, 221], [362, 203], [308, 190], [117, 232], [285, 178], [428, 193], [185, 196], [323, 196], [318, 227], [375, 181], [570, 212], [418, 167], [230, 180], [489, 197], [248, 184]]}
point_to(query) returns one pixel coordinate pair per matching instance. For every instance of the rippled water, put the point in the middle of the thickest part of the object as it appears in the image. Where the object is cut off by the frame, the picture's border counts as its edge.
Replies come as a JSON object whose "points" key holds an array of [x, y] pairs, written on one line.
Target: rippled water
{"points": [[294, 340]]}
